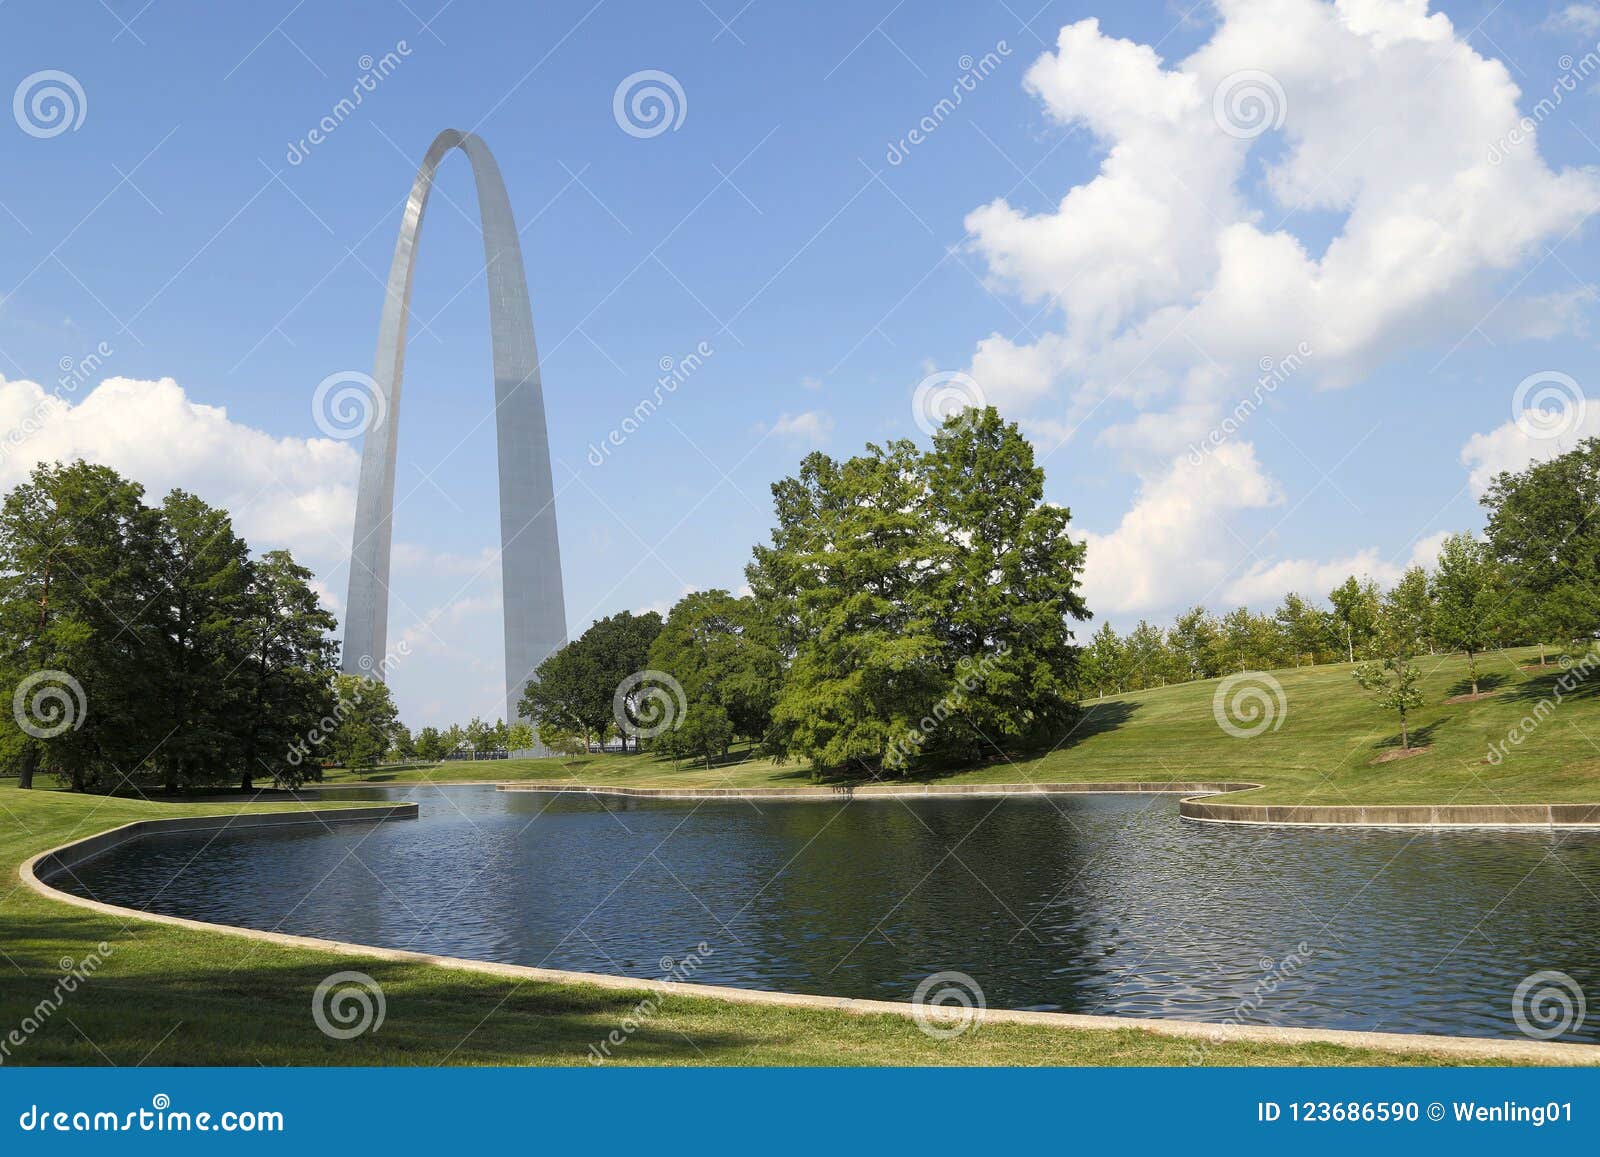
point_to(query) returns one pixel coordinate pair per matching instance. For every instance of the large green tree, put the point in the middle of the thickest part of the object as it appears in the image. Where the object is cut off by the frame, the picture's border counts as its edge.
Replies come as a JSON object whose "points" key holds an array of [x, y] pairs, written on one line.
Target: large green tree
{"points": [[1305, 629], [574, 689], [205, 590], [288, 679], [366, 717], [1355, 614], [1469, 599], [1544, 528], [430, 745], [926, 599], [82, 627], [1403, 623], [723, 650], [1103, 665]]}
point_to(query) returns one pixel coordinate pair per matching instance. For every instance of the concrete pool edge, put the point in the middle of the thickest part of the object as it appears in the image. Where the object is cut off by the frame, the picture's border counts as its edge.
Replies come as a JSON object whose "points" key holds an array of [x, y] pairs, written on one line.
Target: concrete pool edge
{"points": [[63, 857], [1200, 804], [887, 791]]}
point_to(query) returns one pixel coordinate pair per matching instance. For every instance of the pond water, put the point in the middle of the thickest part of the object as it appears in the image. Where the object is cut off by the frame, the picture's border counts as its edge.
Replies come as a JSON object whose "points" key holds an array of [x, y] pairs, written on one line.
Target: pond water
{"points": [[1096, 904]]}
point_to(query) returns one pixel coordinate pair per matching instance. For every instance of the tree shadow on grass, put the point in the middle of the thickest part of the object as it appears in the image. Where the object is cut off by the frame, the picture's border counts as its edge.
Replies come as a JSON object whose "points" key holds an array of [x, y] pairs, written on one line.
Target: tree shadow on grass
{"points": [[1571, 682], [157, 998], [1098, 718], [1487, 682], [1419, 736]]}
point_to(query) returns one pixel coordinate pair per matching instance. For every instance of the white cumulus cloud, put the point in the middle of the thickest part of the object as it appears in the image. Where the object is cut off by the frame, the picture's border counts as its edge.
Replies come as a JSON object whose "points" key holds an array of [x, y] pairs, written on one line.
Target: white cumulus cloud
{"points": [[1177, 267], [297, 493]]}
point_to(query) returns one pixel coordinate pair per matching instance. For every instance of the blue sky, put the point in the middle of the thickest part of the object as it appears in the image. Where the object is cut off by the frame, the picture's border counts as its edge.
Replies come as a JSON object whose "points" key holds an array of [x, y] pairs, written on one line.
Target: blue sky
{"points": [[172, 226]]}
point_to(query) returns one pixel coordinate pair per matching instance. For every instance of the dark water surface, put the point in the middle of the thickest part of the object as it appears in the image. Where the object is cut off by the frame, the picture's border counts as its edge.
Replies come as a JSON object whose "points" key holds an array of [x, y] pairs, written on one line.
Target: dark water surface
{"points": [[1098, 904]]}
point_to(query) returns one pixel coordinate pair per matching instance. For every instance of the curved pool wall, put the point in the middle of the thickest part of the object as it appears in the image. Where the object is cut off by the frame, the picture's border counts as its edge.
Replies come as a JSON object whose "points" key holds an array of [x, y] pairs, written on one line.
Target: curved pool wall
{"points": [[1202, 804], [1089, 904]]}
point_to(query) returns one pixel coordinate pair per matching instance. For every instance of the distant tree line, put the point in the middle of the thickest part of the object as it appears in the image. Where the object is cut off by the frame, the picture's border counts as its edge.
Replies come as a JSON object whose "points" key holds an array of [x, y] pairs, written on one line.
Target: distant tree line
{"points": [[1533, 578], [148, 648], [460, 740], [913, 607]]}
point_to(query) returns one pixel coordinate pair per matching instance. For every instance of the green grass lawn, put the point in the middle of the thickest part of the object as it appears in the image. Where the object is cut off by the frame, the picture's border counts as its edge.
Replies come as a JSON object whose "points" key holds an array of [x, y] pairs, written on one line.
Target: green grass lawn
{"points": [[1322, 752], [173, 996]]}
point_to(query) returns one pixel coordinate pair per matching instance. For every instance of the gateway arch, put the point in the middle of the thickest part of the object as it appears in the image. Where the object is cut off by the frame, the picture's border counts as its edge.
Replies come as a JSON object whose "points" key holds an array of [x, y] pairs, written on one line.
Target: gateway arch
{"points": [[530, 555]]}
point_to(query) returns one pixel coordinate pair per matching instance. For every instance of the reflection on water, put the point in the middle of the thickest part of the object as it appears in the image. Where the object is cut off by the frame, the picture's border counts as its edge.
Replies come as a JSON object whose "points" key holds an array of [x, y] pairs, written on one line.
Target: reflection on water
{"points": [[1100, 904]]}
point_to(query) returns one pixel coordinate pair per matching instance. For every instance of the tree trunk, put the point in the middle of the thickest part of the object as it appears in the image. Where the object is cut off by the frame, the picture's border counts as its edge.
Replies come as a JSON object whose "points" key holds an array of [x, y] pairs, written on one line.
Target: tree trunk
{"points": [[1349, 643], [1405, 739], [1473, 670], [246, 781], [30, 763]]}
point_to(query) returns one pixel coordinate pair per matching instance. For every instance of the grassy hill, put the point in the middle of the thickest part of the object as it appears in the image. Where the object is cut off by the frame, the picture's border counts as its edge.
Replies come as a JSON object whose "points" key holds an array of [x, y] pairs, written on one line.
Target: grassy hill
{"points": [[1327, 746]]}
